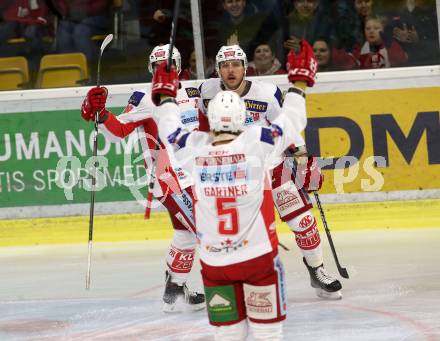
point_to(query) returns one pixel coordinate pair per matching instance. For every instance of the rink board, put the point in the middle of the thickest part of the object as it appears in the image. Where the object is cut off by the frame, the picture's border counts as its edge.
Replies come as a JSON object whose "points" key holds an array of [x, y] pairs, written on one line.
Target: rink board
{"points": [[132, 227], [392, 114]]}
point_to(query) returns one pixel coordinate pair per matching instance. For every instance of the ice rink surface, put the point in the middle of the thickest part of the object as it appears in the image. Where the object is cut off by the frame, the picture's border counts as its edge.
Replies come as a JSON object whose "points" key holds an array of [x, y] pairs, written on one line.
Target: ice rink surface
{"points": [[393, 292]]}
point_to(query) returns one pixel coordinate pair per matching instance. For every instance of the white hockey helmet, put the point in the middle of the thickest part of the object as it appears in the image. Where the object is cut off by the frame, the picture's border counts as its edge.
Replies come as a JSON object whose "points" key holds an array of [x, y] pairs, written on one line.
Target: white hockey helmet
{"points": [[227, 112], [160, 53], [230, 52]]}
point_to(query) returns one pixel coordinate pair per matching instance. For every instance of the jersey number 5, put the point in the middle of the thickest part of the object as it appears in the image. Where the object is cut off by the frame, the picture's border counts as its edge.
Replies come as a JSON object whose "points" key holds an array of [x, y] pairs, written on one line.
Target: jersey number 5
{"points": [[228, 216]]}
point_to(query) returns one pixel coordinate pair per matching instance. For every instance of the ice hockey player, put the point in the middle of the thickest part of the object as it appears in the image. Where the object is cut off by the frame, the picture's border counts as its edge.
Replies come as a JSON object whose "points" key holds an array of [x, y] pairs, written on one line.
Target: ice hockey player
{"points": [[263, 103], [137, 116], [242, 273]]}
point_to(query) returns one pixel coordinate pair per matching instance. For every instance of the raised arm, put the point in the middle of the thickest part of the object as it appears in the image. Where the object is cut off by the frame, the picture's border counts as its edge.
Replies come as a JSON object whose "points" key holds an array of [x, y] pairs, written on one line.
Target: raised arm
{"points": [[114, 127], [302, 68]]}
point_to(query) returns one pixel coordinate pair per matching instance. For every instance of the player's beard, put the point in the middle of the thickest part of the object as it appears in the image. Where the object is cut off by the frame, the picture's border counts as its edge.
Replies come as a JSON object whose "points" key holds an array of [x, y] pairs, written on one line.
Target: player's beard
{"points": [[238, 89]]}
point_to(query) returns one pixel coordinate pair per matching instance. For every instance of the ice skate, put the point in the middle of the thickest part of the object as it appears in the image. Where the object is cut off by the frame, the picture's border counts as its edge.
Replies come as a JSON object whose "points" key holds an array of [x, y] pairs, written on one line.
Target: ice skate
{"points": [[326, 286], [178, 298]]}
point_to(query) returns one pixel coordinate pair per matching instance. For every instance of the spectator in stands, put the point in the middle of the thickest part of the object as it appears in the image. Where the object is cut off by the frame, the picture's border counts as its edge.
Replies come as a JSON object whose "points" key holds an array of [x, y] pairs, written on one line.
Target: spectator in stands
{"points": [[364, 9], [323, 54], [264, 62], [330, 58], [241, 24], [379, 49], [344, 22], [304, 22], [26, 19], [155, 17], [80, 20], [415, 28], [191, 71]]}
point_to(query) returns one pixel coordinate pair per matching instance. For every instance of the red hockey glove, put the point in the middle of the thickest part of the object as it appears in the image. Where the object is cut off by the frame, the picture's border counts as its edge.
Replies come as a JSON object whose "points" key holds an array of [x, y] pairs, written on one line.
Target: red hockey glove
{"points": [[94, 102], [302, 67], [309, 175], [164, 82]]}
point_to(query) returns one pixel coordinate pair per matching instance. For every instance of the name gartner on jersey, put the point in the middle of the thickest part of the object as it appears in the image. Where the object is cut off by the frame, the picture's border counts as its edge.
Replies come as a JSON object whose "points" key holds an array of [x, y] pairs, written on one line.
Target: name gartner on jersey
{"points": [[223, 176]]}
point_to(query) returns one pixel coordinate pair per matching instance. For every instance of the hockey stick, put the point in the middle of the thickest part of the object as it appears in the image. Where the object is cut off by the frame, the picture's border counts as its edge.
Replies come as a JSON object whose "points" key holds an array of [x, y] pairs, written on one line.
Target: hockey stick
{"points": [[157, 147], [104, 44], [342, 271]]}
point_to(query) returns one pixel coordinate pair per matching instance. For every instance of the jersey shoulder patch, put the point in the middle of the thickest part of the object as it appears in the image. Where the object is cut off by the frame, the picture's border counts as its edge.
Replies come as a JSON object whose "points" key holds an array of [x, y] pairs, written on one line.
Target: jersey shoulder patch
{"points": [[268, 134], [192, 92], [279, 96], [136, 98], [182, 141]]}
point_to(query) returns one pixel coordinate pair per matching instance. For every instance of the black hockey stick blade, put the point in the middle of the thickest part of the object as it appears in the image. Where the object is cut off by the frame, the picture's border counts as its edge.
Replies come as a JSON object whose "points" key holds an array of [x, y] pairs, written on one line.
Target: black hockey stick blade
{"points": [[342, 271]]}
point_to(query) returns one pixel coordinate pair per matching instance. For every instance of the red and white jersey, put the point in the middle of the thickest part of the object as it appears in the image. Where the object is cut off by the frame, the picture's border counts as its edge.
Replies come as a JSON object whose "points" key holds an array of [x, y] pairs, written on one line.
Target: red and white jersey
{"points": [[263, 101], [138, 115], [233, 205]]}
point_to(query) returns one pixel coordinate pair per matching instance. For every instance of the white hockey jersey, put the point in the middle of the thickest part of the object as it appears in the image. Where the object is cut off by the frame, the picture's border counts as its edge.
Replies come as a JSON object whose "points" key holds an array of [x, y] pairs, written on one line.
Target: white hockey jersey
{"points": [[138, 114], [233, 205], [263, 105], [263, 101]]}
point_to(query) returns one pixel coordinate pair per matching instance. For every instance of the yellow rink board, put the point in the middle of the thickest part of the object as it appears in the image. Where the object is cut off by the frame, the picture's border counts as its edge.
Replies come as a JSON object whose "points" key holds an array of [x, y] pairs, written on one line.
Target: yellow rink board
{"points": [[130, 227]]}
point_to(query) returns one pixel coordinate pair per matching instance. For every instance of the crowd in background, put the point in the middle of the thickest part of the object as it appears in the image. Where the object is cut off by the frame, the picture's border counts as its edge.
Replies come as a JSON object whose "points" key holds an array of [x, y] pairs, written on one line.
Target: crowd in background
{"points": [[345, 34]]}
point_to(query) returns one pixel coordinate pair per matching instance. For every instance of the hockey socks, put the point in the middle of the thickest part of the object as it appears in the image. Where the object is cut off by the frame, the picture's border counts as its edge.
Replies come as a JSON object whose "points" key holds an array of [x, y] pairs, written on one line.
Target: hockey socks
{"points": [[307, 237]]}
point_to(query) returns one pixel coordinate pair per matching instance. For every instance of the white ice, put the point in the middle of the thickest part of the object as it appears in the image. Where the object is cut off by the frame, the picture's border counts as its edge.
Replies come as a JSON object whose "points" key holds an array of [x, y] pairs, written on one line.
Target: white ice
{"points": [[393, 292]]}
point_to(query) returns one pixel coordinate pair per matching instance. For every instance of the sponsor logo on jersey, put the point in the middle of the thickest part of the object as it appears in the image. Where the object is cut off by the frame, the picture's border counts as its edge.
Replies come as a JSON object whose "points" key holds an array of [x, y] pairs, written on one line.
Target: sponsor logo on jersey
{"points": [[308, 239], [261, 301], [228, 245], [306, 221], [221, 303], [255, 106], [219, 176], [192, 92], [251, 117], [220, 160], [218, 152], [187, 200], [182, 260], [136, 98], [258, 301], [189, 118], [285, 199], [218, 301]]}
